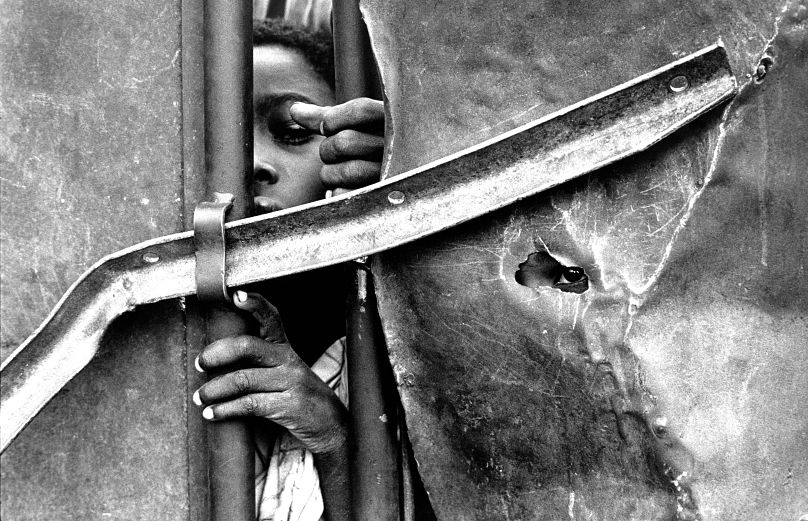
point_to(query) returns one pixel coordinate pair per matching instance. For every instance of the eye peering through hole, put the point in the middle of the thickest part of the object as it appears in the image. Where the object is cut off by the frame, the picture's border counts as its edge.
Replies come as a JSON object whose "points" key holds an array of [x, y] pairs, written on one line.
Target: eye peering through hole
{"points": [[542, 270]]}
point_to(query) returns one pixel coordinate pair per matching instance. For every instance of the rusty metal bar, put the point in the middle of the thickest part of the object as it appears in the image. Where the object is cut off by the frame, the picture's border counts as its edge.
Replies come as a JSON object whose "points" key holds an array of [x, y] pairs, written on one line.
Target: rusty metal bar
{"points": [[228, 155], [374, 453]]}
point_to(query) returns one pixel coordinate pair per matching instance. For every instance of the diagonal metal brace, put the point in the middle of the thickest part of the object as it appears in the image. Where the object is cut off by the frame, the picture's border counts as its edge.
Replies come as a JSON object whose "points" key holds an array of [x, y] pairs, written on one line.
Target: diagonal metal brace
{"points": [[577, 140]]}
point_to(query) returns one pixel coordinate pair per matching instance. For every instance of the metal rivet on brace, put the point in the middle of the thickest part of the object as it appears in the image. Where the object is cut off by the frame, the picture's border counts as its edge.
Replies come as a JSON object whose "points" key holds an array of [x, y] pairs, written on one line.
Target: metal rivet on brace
{"points": [[678, 84], [395, 197]]}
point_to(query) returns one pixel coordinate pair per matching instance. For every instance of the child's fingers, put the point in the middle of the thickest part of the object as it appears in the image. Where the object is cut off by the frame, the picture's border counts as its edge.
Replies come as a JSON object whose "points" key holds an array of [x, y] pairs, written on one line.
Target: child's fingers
{"points": [[361, 114], [308, 116], [350, 174], [291, 396], [243, 350], [269, 320], [266, 405], [316, 419], [351, 144], [243, 381]]}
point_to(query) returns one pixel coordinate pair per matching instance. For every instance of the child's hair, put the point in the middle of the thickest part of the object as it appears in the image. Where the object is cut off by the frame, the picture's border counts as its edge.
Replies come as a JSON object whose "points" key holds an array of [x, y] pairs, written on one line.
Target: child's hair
{"points": [[316, 47]]}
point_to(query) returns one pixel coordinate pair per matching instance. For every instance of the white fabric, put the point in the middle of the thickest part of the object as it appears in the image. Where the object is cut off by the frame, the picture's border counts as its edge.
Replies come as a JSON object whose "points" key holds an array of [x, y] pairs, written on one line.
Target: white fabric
{"points": [[288, 487], [312, 14], [260, 8]]}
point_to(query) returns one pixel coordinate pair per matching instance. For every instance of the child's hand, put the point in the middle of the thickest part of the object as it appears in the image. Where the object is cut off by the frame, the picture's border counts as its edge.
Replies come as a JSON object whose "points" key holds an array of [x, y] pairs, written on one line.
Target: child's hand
{"points": [[264, 377], [354, 144]]}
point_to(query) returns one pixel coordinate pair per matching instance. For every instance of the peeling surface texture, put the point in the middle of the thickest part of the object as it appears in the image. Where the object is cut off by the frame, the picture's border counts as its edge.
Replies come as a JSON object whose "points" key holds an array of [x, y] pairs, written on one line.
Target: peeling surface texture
{"points": [[90, 162], [674, 387]]}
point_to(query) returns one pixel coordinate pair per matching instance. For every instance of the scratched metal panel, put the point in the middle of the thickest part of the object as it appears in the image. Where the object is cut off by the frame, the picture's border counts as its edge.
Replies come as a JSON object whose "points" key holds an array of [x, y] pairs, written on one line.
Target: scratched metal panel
{"points": [[687, 353], [91, 162]]}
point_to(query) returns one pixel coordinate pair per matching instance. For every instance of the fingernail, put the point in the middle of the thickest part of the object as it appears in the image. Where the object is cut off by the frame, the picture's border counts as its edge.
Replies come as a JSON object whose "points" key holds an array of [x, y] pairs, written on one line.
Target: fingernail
{"points": [[197, 366], [197, 400], [303, 106], [306, 114], [241, 296], [207, 413]]}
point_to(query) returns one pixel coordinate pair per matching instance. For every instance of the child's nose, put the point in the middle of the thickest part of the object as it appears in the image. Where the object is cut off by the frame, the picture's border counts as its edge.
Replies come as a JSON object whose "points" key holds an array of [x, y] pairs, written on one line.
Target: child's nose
{"points": [[263, 172], [264, 176]]}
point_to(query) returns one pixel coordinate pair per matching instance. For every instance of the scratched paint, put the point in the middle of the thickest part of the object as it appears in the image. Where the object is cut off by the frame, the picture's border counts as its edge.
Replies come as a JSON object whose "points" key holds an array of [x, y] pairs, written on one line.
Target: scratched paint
{"points": [[668, 389], [88, 116], [90, 162]]}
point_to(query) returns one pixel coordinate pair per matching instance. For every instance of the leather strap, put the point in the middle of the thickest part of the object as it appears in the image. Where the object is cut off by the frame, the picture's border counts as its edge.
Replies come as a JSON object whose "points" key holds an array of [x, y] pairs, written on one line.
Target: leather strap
{"points": [[209, 220]]}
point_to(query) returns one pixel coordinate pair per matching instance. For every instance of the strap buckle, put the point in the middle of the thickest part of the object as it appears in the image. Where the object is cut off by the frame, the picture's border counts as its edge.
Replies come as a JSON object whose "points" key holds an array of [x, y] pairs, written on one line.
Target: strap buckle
{"points": [[209, 218]]}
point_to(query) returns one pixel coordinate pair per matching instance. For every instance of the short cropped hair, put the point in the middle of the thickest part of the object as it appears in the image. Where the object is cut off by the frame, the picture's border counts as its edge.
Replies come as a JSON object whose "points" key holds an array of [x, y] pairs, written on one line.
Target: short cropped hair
{"points": [[316, 47]]}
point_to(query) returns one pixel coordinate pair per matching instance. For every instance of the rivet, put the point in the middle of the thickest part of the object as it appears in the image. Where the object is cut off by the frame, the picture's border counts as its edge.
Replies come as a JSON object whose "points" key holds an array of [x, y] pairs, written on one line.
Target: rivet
{"points": [[679, 83], [660, 426], [151, 257], [395, 197]]}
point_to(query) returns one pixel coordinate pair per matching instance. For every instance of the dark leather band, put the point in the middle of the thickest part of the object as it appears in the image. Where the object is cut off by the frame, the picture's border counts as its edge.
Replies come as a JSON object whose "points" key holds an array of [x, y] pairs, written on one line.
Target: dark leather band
{"points": [[210, 248]]}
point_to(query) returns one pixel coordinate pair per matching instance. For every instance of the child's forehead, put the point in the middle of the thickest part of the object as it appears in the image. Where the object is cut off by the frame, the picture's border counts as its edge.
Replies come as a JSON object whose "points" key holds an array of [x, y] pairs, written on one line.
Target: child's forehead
{"points": [[281, 69]]}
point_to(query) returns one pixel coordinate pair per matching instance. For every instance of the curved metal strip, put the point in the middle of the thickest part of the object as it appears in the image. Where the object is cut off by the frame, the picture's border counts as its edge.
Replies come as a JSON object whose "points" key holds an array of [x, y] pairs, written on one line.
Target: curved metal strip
{"points": [[210, 248], [545, 153]]}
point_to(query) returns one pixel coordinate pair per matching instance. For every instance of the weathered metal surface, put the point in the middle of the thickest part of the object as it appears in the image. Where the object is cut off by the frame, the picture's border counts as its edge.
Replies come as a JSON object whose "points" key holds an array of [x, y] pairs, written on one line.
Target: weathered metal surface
{"points": [[88, 118], [686, 354], [90, 161], [111, 445], [517, 164], [106, 100]]}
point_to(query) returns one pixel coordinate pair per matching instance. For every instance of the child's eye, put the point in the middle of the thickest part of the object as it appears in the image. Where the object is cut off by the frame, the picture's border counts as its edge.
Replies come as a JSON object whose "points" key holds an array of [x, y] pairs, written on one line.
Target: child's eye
{"points": [[291, 134]]}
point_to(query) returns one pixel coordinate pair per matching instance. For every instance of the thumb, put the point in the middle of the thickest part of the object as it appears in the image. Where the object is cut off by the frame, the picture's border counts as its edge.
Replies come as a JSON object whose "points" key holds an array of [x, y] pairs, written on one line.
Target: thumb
{"points": [[269, 320], [308, 116]]}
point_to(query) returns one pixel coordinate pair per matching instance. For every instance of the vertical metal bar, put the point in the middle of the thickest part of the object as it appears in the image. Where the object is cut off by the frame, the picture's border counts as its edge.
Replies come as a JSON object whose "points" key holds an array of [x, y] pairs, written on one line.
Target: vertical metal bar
{"points": [[228, 154], [355, 70], [228, 101], [374, 454], [374, 457]]}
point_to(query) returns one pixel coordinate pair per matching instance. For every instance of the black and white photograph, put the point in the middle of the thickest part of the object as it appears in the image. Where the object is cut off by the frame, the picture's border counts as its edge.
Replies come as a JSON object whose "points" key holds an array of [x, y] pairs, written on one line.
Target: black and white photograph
{"points": [[389, 260]]}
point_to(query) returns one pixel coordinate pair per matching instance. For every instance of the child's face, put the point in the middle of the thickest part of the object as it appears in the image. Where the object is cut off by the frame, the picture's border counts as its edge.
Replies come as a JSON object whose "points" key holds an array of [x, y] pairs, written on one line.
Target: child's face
{"points": [[286, 158]]}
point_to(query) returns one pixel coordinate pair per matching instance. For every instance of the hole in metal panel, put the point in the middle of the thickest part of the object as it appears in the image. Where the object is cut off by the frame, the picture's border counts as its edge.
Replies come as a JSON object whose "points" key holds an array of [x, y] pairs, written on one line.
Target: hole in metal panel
{"points": [[542, 270]]}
